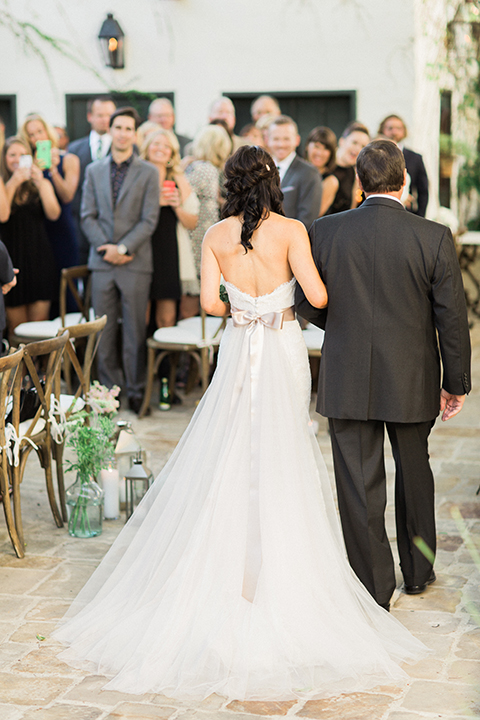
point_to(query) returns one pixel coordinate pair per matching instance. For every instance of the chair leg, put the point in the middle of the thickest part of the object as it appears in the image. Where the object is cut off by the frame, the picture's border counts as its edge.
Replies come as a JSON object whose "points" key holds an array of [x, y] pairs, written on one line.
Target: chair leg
{"points": [[57, 454], [149, 386], [205, 367], [47, 456], [9, 516], [16, 477]]}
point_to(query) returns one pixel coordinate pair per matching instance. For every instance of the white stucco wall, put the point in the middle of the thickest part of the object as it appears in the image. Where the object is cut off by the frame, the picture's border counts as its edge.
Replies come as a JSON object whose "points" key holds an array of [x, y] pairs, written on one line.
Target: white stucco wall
{"points": [[201, 48]]}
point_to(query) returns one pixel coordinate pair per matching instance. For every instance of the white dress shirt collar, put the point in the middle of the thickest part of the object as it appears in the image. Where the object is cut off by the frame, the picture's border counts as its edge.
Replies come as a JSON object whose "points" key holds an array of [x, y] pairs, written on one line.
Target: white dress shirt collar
{"points": [[385, 195], [284, 164], [94, 141]]}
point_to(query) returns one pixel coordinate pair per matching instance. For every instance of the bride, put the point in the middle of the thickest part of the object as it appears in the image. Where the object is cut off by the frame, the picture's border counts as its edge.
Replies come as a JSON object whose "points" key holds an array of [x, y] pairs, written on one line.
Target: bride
{"points": [[231, 577]]}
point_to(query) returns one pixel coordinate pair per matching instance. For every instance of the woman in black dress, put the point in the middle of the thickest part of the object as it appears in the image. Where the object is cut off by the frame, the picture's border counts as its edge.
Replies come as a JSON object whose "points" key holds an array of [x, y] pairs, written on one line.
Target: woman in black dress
{"points": [[31, 199], [320, 150], [174, 273], [354, 138]]}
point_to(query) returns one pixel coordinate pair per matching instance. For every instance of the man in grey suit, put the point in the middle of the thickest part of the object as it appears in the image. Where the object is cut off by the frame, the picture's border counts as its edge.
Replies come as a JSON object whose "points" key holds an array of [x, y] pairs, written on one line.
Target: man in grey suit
{"points": [[300, 182], [94, 146], [394, 284], [120, 208]]}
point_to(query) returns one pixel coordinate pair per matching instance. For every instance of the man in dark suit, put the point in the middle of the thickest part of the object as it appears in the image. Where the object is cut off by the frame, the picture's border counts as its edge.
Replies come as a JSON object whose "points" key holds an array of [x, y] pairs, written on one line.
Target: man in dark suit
{"points": [[120, 207], [393, 283], [395, 129], [94, 146], [161, 112], [300, 182]]}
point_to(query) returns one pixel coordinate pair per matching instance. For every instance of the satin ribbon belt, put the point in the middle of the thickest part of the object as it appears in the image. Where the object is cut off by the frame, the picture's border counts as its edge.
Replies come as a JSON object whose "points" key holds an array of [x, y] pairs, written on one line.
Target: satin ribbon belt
{"points": [[273, 320]]}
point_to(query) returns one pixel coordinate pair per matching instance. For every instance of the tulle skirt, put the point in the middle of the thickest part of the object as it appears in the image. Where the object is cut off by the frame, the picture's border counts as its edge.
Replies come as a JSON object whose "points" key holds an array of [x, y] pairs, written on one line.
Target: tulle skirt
{"points": [[231, 577]]}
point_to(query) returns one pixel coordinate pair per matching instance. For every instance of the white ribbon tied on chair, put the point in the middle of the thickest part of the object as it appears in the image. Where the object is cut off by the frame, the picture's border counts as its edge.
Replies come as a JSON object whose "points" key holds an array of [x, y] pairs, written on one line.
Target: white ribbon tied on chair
{"points": [[57, 426], [255, 325], [12, 444]]}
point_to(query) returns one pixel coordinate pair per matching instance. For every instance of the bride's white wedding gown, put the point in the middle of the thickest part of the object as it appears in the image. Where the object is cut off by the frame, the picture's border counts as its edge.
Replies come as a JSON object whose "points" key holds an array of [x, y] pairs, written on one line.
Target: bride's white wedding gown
{"points": [[231, 576]]}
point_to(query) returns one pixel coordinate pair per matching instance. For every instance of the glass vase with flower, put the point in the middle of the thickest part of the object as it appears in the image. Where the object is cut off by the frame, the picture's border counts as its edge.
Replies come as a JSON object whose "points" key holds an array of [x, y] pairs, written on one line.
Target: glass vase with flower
{"points": [[89, 435]]}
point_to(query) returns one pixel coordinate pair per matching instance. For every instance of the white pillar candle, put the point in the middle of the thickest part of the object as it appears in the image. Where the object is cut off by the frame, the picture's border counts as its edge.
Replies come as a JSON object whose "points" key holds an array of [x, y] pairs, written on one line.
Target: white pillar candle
{"points": [[110, 485]]}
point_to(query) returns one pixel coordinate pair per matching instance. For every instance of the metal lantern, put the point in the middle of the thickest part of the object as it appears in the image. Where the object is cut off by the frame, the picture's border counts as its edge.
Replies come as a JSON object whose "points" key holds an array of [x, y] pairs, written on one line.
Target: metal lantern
{"points": [[137, 481], [112, 41]]}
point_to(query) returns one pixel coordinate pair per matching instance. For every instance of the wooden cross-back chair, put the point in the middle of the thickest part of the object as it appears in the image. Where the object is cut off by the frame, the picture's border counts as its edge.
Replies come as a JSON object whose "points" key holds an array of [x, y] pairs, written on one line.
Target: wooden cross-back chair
{"points": [[82, 367], [10, 383], [39, 432], [197, 336], [46, 329]]}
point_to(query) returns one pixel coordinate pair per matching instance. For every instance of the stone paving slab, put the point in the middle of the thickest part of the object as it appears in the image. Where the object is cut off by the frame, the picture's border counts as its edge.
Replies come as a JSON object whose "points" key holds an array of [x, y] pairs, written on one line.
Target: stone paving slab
{"points": [[36, 592]]}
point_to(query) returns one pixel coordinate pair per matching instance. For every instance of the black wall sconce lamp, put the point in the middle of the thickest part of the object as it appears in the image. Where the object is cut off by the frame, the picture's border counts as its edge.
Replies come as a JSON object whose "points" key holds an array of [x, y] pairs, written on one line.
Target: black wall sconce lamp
{"points": [[111, 39]]}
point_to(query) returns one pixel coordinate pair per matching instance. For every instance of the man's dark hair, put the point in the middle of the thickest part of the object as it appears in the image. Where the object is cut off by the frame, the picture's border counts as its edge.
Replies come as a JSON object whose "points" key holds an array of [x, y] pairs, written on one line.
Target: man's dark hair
{"points": [[99, 98], [126, 112], [381, 166]]}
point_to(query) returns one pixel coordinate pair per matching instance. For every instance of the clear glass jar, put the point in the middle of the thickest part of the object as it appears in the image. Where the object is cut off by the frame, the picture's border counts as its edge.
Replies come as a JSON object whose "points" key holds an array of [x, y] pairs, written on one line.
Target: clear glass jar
{"points": [[84, 507]]}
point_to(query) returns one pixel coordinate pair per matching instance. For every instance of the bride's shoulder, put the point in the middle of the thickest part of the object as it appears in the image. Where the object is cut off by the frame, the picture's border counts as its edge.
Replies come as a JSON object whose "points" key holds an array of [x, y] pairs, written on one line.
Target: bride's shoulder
{"points": [[221, 230]]}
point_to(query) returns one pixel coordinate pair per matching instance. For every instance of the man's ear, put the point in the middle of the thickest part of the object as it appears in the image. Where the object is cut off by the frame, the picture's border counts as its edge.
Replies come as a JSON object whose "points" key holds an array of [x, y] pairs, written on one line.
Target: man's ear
{"points": [[297, 141], [359, 183]]}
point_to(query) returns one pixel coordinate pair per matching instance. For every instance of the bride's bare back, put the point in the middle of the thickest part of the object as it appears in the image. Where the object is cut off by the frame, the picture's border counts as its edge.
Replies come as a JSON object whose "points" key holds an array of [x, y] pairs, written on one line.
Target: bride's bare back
{"points": [[281, 248]]}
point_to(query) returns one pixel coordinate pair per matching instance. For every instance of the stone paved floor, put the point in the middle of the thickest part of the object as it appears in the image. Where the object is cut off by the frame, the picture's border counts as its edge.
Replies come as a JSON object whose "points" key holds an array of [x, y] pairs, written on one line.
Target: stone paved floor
{"points": [[36, 591]]}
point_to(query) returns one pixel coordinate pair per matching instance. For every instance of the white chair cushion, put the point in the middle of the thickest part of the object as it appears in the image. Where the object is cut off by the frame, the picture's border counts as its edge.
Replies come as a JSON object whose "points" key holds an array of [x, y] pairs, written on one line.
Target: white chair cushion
{"points": [[23, 427], [46, 329], [66, 401], [189, 332]]}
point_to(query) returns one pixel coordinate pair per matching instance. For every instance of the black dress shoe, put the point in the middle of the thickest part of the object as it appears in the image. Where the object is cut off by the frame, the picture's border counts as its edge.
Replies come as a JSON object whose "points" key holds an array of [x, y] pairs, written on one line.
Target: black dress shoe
{"points": [[417, 589], [135, 405]]}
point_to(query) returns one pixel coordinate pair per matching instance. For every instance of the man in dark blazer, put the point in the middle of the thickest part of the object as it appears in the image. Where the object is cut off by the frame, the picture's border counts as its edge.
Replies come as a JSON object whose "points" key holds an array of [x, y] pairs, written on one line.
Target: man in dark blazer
{"points": [[395, 129], [120, 207], [300, 182], [161, 112], [94, 146], [393, 283]]}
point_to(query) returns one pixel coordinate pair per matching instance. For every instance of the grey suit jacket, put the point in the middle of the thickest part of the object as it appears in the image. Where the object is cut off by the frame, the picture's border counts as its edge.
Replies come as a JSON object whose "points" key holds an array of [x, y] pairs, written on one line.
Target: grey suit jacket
{"points": [[393, 282], [80, 148], [302, 192], [134, 218]]}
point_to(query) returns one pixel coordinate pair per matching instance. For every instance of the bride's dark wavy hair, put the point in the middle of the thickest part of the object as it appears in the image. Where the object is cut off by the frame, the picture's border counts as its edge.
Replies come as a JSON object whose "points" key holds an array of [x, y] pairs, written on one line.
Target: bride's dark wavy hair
{"points": [[253, 190]]}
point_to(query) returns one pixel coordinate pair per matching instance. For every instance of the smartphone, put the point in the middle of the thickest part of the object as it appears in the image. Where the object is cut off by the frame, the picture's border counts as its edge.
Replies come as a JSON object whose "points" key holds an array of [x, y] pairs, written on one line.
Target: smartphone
{"points": [[44, 154], [169, 185], [25, 161]]}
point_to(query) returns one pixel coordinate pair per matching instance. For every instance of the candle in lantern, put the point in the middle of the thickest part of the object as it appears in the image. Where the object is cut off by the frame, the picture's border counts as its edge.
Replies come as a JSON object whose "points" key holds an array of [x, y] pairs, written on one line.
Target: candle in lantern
{"points": [[110, 484]]}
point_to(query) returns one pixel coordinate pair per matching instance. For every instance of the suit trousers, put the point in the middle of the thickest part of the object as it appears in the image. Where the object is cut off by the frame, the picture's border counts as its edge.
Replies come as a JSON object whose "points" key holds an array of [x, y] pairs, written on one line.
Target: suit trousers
{"points": [[122, 295], [358, 456]]}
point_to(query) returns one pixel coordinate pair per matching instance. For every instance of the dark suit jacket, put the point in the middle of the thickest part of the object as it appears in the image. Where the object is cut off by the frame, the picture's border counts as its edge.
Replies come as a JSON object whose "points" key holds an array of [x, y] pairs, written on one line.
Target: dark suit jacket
{"points": [[133, 219], [418, 176], [393, 282], [302, 192]]}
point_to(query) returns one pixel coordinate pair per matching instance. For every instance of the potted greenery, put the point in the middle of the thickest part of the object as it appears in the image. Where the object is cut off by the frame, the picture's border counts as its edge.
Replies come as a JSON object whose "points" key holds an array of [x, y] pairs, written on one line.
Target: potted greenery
{"points": [[89, 435]]}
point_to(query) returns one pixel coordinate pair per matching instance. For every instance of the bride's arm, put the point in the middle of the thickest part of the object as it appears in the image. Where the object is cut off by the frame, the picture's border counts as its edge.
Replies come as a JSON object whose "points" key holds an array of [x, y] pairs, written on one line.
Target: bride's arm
{"points": [[303, 267], [210, 280]]}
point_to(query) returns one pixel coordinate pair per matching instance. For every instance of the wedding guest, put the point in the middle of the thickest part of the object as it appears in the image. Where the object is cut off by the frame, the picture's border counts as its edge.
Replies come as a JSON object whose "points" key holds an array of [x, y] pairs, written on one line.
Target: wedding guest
{"points": [[31, 199], [252, 134], [62, 136], [120, 207], [211, 148], [264, 105], [145, 129], [395, 129], [94, 146], [300, 182], [64, 174], [174, 275], [346, 196], [162, 113], [223, 109], [320, 150]]}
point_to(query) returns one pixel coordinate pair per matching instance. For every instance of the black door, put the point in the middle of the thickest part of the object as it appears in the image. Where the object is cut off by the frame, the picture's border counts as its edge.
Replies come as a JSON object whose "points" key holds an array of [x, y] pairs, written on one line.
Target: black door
{"points": [[308, 109], [8, 113], [77, 124]]}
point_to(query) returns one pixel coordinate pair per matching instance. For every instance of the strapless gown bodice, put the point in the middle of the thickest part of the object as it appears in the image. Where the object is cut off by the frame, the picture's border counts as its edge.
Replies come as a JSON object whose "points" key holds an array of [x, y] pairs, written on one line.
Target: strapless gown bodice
{"points": [[231, 577]]}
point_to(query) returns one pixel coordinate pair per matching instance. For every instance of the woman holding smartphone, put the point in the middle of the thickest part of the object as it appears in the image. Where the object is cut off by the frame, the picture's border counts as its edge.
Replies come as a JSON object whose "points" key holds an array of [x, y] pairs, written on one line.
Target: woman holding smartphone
{"points": [[63, 171], [31, 200], [174, 276]]}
